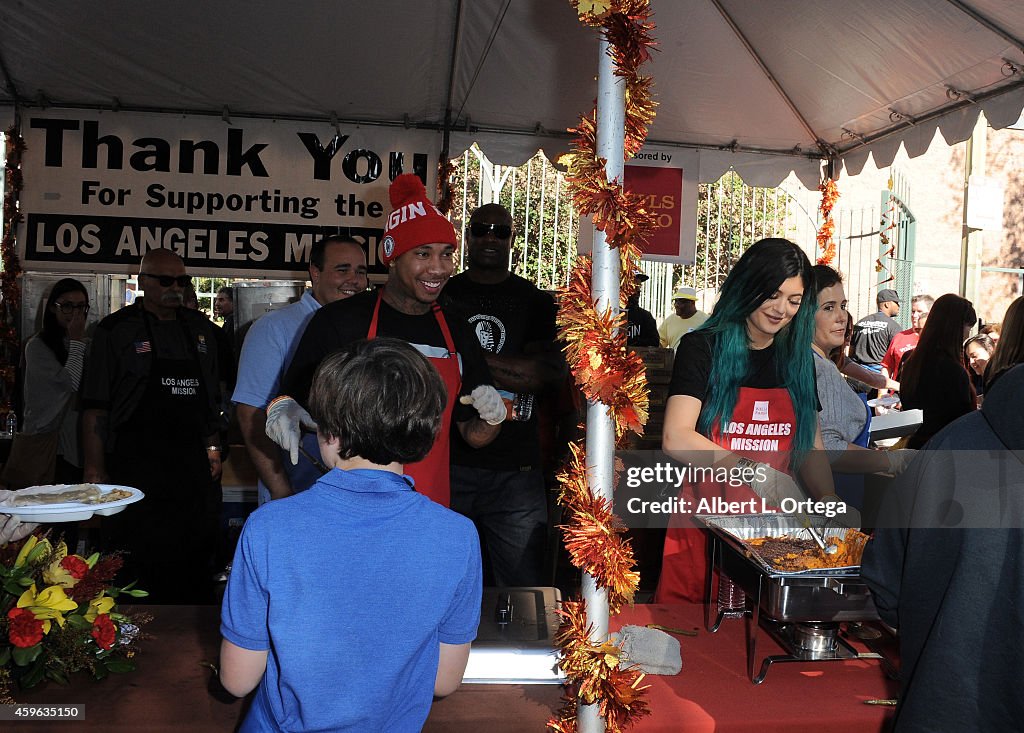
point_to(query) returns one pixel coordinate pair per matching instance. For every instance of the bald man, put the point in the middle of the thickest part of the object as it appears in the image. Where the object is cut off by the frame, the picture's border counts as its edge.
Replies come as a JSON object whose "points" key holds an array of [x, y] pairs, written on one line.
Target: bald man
{"points": [[150, 401]]}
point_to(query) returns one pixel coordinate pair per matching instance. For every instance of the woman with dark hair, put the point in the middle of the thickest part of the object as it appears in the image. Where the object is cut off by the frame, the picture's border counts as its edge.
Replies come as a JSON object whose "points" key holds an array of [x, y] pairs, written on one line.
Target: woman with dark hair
{"points": [[978, 350], [845, 418], [742, 399], [1010, 347], [54, 359], [933, 376]]}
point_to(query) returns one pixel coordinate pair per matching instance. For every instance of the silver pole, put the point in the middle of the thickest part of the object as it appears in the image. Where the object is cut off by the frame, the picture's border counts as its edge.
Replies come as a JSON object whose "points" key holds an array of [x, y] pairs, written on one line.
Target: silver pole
{"points": [[611, 120]]}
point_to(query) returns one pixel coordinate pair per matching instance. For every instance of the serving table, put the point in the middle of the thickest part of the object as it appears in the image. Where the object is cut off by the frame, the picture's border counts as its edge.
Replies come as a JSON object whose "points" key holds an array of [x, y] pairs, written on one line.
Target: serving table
{"points": [[168, 691]]}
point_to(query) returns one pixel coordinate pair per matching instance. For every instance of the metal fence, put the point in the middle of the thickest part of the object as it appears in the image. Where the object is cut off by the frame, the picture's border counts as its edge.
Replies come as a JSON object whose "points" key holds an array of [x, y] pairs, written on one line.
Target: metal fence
{"points": [[731, 217]]}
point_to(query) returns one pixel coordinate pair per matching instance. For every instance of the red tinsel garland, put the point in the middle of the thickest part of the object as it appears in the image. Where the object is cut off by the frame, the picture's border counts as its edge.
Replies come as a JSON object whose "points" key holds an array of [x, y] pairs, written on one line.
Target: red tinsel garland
{"points": [[607, 372], [10, 283], [826, 242]]}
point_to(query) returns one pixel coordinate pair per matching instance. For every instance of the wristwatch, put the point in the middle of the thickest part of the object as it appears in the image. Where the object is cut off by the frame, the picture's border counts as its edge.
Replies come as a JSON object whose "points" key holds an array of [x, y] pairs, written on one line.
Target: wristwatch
{"points": [[748, 463]]}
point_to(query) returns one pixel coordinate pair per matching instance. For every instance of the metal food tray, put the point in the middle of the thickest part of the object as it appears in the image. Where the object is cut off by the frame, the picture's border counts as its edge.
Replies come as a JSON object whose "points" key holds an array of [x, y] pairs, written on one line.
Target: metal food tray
{"points": [[834, 594], [735, 529]]}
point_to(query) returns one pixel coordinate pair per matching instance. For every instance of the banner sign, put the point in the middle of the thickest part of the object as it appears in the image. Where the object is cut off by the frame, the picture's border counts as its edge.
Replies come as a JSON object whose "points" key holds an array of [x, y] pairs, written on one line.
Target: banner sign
{"points": [[667, 179], [243, 199]]}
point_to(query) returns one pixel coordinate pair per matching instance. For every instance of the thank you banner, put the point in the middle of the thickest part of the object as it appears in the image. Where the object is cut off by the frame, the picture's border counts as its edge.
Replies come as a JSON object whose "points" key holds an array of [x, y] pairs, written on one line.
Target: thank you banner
{"points": [[234, 199]]}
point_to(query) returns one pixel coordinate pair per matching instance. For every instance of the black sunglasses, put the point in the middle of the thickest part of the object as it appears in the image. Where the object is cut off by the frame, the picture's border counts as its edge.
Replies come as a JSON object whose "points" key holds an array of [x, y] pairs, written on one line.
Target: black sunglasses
{"points": [[169, 280], [68, 308], [479, 229]]}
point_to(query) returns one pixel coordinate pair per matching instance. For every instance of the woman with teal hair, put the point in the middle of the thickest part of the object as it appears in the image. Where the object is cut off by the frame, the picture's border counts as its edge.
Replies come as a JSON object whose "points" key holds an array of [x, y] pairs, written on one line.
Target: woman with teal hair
{"points": [[742, 400]]}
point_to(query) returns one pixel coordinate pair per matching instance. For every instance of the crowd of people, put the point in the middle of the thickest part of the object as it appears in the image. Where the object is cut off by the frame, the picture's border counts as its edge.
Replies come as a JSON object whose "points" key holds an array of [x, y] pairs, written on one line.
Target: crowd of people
{"points": [[367, 414]]}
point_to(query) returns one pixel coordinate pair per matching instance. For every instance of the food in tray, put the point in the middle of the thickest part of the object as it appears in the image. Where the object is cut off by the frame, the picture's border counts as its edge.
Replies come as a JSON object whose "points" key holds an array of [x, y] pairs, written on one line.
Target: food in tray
{"points": [[71, 494], [792, 554]]}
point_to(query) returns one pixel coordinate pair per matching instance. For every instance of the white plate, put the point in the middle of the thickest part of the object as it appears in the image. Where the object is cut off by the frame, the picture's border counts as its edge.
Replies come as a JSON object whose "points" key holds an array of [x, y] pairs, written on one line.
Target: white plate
{"points": [[887, 401], [73, 511]]}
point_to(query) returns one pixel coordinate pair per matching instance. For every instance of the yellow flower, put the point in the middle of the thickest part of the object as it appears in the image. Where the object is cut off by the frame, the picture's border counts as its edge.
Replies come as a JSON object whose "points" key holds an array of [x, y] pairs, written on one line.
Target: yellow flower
{"points": [[46, 605], [33, 548], [98, 606], [55, 574]]}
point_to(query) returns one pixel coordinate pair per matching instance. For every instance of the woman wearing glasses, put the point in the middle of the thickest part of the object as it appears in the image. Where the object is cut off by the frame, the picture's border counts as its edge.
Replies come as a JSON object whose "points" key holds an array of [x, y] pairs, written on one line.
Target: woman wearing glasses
{"points": [[54, 358]]}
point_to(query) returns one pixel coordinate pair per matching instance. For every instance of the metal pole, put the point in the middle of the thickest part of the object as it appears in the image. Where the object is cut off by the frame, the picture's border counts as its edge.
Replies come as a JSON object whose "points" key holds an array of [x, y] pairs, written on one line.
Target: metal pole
{"points": [[611, 120]]}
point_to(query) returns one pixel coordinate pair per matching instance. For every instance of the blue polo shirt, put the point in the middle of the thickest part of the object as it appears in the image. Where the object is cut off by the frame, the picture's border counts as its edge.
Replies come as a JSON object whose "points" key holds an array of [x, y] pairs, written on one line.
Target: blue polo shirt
{"points": [[351, 586], [268, 350]]}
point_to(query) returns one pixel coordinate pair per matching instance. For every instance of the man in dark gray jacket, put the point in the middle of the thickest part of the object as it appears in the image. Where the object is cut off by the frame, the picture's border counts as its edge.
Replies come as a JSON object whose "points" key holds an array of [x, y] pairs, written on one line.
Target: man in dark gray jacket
{"points": [[947, 570]]}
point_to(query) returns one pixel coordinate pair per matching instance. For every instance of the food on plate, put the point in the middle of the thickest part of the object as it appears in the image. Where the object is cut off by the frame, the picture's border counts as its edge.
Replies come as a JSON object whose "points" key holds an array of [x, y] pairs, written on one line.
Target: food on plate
{"points": [[112, 495], [81, 493], [792, 554], [68, 494]]}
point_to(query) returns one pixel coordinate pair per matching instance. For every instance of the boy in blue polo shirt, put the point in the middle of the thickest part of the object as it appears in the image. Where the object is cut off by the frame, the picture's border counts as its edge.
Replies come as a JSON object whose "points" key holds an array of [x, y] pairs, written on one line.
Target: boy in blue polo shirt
{"points": [[353, 604]]}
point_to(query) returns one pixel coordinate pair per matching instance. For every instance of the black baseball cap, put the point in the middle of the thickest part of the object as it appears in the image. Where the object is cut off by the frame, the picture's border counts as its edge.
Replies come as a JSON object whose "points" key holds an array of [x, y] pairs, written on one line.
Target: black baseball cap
{"points": [[888, 296]]}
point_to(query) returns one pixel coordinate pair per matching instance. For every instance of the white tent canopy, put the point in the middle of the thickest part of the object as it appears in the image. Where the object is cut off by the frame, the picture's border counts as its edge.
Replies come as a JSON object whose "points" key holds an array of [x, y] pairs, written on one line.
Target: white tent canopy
{"points": [[793, 79]]}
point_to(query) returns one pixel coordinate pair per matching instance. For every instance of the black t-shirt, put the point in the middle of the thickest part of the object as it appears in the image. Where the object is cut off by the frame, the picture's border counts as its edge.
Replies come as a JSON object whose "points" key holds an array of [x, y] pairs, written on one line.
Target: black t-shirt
{"points": [[511, 318], [871, 338], [641, 328], [691, 371], [340, 323]]}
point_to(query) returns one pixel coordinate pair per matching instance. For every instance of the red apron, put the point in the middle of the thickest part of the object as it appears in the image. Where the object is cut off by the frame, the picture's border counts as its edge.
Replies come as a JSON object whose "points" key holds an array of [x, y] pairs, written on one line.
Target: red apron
{"points": [[431, 474], [762, 429]]}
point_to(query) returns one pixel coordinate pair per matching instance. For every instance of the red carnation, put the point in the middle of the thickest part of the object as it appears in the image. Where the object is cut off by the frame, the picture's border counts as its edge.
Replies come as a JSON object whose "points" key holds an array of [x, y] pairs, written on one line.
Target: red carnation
{"points": [[103, 631], [25, 629], [76, 566]]}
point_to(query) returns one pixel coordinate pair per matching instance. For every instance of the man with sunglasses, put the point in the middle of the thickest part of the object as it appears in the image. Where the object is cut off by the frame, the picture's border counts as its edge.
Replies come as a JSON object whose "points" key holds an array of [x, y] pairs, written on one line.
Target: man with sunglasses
{"points": [[501, 486], [150, 421]]}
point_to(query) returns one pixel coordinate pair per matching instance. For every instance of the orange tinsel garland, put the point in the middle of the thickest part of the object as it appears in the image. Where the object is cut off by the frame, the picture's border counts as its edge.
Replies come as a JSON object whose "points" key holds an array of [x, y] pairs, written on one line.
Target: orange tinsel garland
{"points": [[607, 372], [826, 242]]}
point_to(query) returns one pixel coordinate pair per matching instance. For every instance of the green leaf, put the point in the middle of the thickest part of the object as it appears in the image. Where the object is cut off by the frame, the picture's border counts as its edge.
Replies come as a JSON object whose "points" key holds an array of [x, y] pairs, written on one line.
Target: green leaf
{"points": [[138, 593], [35, 675], [26, 655], [78, 621], [120, 666], [91, 560], [100, 671], [13, 587], [57, 676], [5, 656]]}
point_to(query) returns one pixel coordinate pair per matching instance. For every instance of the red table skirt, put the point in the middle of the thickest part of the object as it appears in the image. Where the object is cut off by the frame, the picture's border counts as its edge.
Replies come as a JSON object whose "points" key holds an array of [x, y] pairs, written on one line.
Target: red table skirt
{"points": [[168, 691], [712, 693]]}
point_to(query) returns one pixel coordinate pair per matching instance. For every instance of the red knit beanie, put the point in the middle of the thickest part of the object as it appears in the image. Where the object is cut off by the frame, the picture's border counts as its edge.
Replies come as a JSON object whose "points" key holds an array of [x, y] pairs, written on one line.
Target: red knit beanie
{"points": [[414, 221]]}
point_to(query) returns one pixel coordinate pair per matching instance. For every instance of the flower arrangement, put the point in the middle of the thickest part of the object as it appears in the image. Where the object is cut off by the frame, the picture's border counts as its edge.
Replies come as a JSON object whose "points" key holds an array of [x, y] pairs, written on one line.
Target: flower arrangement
{"points": [[58, 615]]}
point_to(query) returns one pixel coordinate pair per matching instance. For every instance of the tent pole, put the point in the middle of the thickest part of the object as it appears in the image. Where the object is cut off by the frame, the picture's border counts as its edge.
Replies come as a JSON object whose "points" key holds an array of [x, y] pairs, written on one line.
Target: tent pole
{"points": [[611, 120]]}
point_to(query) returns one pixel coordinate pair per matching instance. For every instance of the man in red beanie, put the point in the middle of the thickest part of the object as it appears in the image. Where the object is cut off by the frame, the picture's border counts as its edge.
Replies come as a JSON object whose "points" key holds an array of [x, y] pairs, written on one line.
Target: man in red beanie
{"points": [[419, 250]]}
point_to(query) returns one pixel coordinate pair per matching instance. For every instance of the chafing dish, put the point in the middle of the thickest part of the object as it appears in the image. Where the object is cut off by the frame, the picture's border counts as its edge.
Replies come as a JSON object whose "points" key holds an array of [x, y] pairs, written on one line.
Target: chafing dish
{"points": [[801, 610]]}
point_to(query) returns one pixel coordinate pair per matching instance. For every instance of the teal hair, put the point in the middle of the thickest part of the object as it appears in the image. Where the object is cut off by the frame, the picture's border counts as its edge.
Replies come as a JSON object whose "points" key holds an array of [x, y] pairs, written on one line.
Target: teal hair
{"points": [[756, 277]]}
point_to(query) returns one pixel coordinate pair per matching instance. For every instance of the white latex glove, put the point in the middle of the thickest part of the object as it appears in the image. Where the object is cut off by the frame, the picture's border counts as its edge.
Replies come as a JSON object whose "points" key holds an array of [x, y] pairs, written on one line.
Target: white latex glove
{"points": [[850, 518], [488, 404], [774, 486], [285, 420], [13, 529], [899, 459]]}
